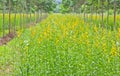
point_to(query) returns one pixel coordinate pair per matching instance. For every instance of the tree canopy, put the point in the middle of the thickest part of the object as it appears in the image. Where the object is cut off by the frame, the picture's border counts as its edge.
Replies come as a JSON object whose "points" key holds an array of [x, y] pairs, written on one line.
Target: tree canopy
{"points": [[65, 6]]}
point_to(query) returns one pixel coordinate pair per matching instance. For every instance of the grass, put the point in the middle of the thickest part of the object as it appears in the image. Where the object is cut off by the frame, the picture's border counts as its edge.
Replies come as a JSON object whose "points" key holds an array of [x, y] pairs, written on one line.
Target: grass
{"points": [[9, 58], [63, 45]]}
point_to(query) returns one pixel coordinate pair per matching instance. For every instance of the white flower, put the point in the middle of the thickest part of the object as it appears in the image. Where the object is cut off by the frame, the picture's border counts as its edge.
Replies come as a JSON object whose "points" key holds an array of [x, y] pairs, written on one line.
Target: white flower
{"points": [[26, 42], [117, 44]]}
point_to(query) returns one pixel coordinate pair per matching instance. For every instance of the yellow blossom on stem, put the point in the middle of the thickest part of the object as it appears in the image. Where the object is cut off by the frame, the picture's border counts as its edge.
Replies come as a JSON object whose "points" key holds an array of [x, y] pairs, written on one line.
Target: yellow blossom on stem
{"points": [[104, 47], [118, 31], [33, 33], [57, 40], [95, 29], [19, 33], [114, 51], [45, 33], [39, 40]]}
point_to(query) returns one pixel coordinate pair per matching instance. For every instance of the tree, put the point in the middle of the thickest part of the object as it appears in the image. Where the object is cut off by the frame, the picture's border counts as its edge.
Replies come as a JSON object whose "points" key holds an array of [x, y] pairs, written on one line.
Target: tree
{"points": [[71, 5]]}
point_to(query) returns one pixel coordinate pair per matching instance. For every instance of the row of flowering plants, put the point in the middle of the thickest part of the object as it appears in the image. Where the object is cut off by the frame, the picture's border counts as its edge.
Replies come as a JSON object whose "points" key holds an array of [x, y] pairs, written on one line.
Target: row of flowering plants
{"points": [[64, 45]]}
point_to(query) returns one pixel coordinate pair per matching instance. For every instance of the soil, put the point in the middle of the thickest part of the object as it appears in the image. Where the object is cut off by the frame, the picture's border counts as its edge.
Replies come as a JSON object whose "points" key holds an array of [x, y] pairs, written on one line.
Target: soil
{"points": [[7, 38]]}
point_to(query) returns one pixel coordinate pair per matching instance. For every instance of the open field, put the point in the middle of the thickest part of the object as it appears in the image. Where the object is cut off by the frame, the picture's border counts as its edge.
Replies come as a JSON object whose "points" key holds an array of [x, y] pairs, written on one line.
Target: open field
{"points": [[63, 45]]}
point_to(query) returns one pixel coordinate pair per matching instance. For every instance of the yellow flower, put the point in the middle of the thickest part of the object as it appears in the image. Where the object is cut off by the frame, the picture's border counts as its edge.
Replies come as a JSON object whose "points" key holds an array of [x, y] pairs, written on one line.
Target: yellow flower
{"points": [[57, 40], [88, 52], [95, 29], [19, 33], [65, 33], [104, 47], [97, 44], [33, 33], [113, 51], [45, 33], [48, 29], [39, 40], [85, 35], [87, 42], [119, 30]]}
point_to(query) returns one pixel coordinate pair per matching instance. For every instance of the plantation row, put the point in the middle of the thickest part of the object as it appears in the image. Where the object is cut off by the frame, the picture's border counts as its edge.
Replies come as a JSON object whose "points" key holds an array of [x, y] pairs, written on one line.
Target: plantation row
{"points": [[108, 22], [13, 22], [20, 21], [62, 45]]}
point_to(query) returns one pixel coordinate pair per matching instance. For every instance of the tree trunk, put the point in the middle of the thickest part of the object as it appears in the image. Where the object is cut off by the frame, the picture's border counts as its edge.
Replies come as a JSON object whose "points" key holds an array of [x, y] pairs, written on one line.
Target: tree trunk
{"points": [[41, 13], [91, 14], [114, 14], [26, 11], [84, 13], [96, 12], [21, 19], [3, 19], [34, 16], [15, 19], [102, 13], [108, 13], [30, 13], [9, 24]]}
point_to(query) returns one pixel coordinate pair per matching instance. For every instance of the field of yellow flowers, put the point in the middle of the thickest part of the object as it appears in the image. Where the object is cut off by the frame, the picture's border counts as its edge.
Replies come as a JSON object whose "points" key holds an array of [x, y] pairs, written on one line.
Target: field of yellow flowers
{"points": [[63, 45]]}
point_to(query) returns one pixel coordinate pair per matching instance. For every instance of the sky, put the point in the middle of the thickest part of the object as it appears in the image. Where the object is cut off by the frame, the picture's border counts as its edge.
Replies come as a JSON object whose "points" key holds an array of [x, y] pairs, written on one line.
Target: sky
{"points": [[58, 5], [59, 1]]}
